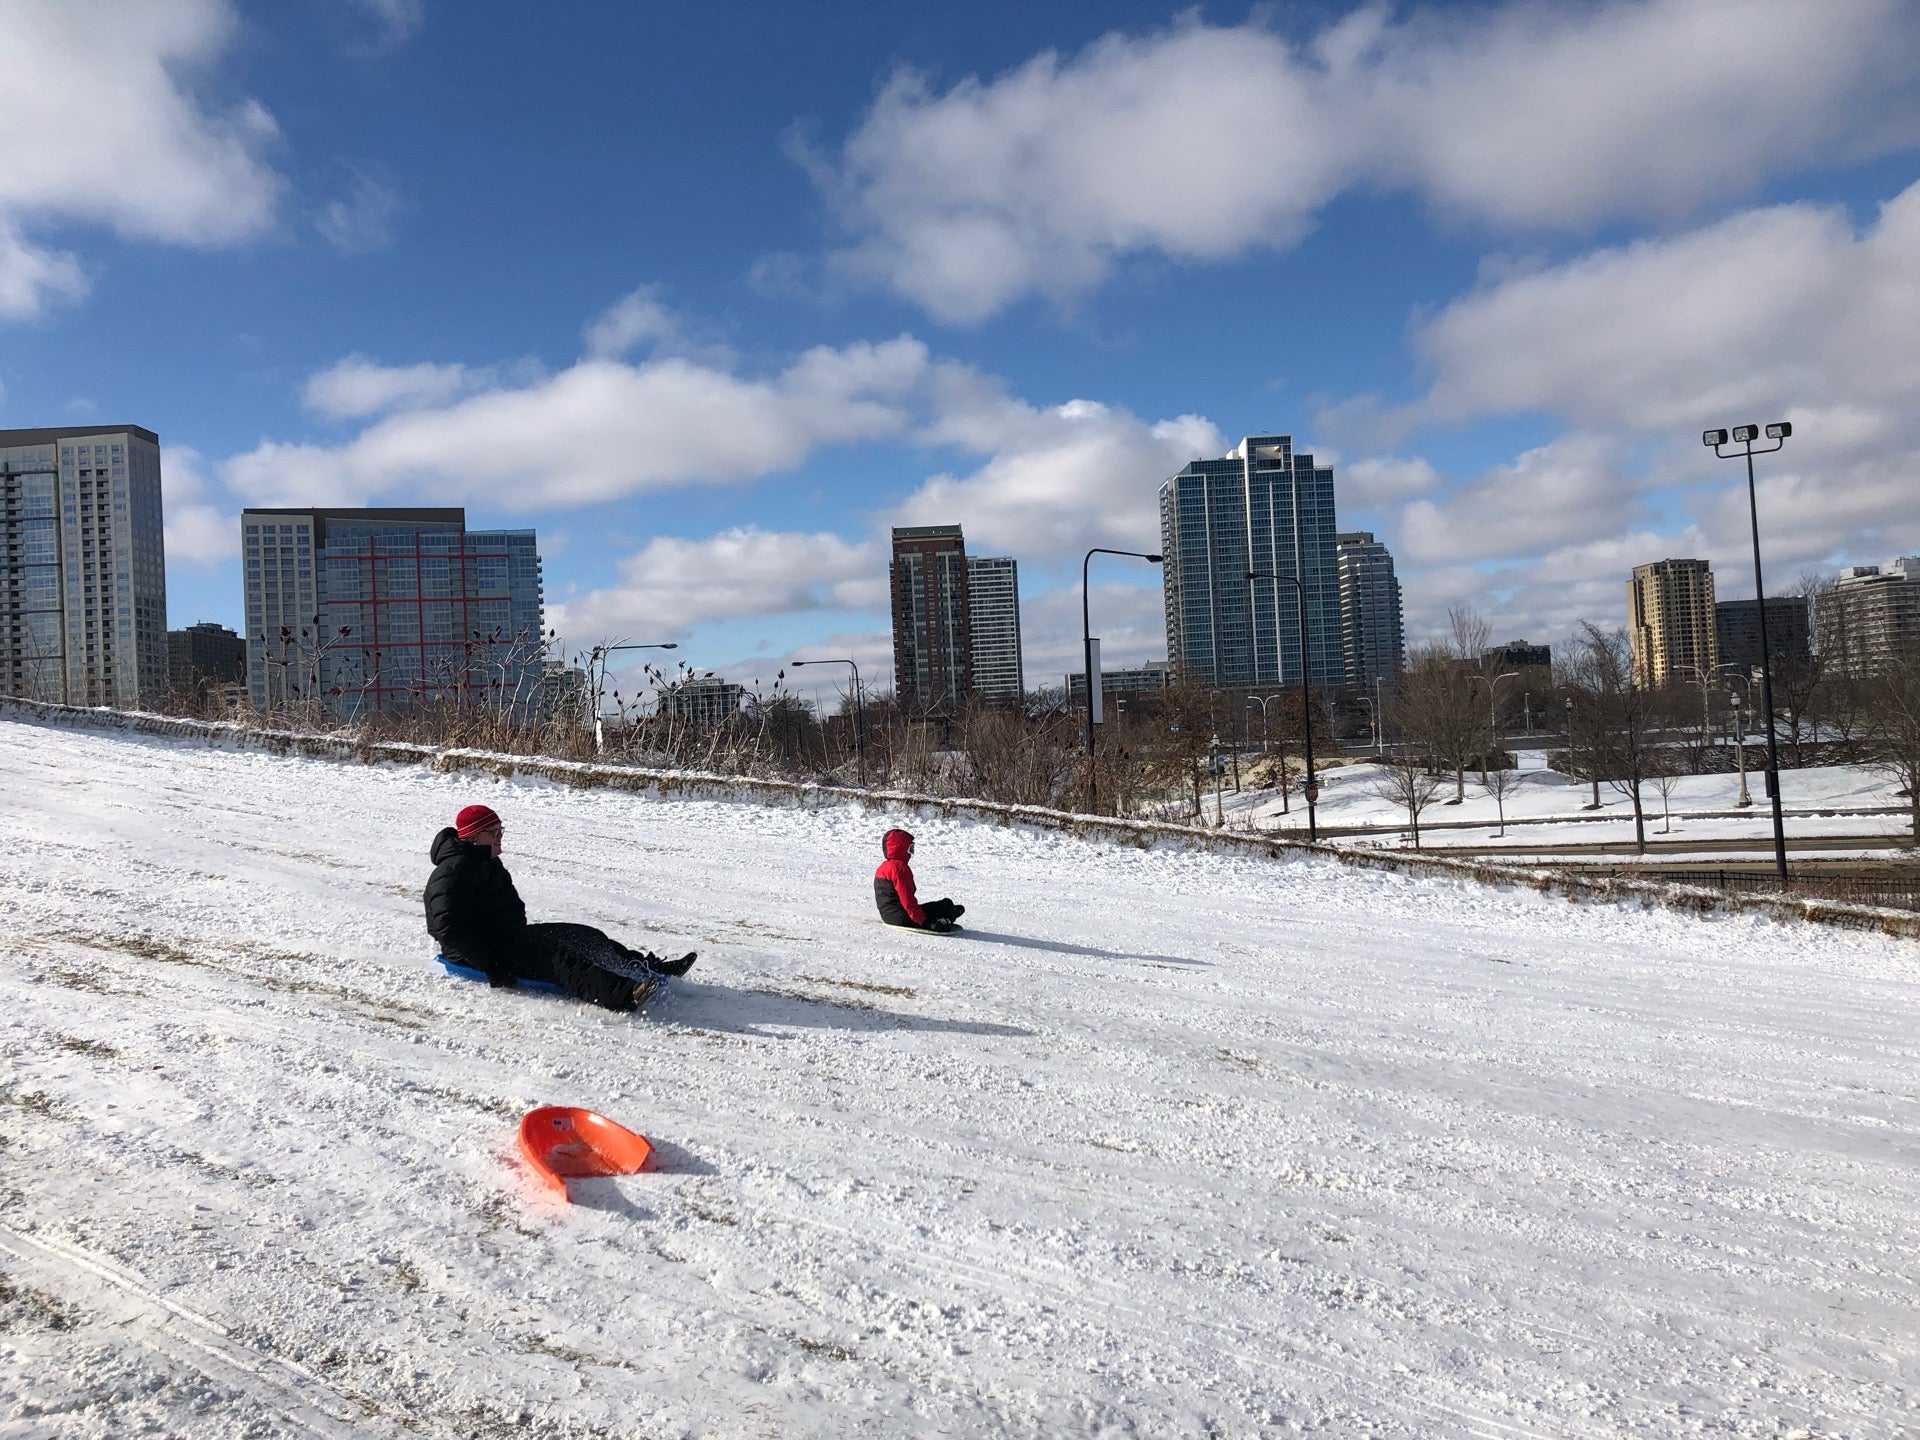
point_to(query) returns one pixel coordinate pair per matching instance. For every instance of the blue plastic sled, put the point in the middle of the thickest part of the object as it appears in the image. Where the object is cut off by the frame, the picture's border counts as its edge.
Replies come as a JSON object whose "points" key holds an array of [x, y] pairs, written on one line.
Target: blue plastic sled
{"points": [[547, 987], [467, 972]]}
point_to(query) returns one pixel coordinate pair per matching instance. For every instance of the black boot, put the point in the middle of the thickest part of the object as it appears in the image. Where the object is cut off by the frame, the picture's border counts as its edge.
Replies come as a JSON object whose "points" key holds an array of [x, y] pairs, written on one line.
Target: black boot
{"points": [[671, 967]]}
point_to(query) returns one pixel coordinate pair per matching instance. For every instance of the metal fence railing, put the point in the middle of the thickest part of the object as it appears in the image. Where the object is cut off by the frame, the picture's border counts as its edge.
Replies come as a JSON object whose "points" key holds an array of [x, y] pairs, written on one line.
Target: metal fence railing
{"points": [[1894, 890]]}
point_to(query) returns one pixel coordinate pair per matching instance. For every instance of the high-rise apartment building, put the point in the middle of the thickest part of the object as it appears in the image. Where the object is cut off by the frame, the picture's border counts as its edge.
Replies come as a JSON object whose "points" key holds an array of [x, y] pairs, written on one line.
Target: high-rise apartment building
{"points": [[1670, 622], [202, 657], [706, 701], [1371, 639], [362, 611], [931, 627], [993, 627], [1870, 616], [1127, 682], [956, 619], [1736, 631], [83, 595], [1260, 508]]}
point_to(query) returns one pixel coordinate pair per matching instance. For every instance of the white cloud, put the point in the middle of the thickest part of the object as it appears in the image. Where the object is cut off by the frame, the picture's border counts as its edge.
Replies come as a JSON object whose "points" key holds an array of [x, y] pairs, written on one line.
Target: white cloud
{"points": [[600, 430], [1783, 313], [1130, 621], [1768, 308], [1552, 495], [1383, 479], [672, 585], [394, 21], [360, 221], [30, 277], [1059, 480], [200, 531], [102, 125], [1201, 142], [357, 387], [636, 318]]}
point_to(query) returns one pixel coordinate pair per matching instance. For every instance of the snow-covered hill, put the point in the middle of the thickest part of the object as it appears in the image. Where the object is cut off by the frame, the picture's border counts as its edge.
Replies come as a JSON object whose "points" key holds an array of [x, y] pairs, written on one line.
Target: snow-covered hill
{"points": [[1169, 1144]]}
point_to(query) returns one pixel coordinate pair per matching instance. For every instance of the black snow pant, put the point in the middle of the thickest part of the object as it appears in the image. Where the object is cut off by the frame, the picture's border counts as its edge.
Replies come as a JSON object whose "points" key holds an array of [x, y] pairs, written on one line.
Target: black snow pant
{"points": [[943, 910], [571, 957]]}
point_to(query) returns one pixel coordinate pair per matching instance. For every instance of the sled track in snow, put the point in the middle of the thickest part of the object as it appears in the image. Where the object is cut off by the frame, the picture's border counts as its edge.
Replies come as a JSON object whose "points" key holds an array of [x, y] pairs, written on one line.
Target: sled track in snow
{"points": [[111, 1295]]}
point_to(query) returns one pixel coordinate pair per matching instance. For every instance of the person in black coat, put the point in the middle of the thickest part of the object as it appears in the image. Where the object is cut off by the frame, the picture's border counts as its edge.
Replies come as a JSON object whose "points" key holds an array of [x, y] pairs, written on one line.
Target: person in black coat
{"points": [[478, 918]]}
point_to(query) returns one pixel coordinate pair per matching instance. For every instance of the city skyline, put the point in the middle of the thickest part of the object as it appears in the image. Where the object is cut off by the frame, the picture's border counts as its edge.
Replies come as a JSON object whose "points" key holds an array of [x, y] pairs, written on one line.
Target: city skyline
{"points": [[367, 301]]}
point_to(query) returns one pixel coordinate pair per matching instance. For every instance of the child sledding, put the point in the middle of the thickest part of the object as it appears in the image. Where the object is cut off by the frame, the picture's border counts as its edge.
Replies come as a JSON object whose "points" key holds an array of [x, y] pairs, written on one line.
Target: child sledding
{"points": [[893, 890], [477, 916]]}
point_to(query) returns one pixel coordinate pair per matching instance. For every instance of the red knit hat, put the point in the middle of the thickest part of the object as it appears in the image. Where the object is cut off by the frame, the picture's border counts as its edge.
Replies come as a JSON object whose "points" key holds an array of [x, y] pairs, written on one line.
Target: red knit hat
{"points": [[472, 820]]}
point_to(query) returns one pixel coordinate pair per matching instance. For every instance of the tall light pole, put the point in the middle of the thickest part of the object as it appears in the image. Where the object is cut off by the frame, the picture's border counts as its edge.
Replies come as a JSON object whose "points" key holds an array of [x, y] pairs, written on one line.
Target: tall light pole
{"points": [[597, 687], [1093, 678], [1312, 788], [1740, 744], [1493, 710], [1262, 701], [1704, 678], [859, 712], [1593, 759], [1719, 442]]}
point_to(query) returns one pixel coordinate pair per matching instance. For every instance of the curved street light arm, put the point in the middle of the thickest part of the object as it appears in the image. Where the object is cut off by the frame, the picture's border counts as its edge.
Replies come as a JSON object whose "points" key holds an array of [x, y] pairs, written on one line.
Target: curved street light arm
{"points": [[1306, 699], [1086, 650]]}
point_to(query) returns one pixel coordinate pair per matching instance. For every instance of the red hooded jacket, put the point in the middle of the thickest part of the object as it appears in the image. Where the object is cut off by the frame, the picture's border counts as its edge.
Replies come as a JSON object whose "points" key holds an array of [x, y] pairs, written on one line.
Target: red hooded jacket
{"points": [[893, 883]]}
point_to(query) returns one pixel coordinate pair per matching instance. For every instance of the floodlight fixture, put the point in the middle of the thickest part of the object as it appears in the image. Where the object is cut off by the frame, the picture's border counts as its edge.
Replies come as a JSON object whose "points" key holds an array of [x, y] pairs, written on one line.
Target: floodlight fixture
{"points": [[1744, 436]]}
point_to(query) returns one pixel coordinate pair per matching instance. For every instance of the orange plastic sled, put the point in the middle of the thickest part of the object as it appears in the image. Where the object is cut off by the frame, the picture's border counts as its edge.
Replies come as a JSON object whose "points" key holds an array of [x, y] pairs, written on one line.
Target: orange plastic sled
{"points": [[559, 1140]]}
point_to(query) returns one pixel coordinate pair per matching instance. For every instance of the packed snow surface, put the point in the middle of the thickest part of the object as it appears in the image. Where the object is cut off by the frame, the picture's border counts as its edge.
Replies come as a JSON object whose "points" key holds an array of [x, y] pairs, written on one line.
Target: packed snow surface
{"points": [[1169, 1143]]}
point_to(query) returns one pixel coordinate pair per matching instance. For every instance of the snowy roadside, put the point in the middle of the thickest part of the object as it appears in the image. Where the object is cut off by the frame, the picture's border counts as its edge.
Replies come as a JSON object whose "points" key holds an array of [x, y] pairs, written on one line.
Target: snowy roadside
{"points": [[1548, 808], [1173, 1142]]}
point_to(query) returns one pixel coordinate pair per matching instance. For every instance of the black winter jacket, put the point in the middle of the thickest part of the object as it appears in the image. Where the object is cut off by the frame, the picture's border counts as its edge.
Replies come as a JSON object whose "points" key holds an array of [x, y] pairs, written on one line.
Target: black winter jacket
{"points": [[473, 909]]}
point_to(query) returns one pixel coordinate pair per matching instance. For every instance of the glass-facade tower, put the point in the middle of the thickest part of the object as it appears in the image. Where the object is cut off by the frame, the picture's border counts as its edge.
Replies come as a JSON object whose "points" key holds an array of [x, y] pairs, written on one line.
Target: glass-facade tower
{"points": [[1261, 508], [371, 610]]}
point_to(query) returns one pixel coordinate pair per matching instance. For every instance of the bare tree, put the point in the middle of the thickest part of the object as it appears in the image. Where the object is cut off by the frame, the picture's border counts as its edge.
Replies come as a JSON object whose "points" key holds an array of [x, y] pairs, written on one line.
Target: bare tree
{"points": [[1622, 718], [1893, 737], [1410, 782], [1439, 714], [1664, 771], [1501, 781], [1468, 631]]}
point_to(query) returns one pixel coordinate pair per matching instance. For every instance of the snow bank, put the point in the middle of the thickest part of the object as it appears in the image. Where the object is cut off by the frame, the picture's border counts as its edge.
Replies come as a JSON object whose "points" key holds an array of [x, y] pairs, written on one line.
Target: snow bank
{"points": [[1533, 871]]}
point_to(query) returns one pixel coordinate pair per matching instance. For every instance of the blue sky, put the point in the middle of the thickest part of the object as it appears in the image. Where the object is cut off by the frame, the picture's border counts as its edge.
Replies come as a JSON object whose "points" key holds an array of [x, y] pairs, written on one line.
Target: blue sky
{"points": [[710, 296]]}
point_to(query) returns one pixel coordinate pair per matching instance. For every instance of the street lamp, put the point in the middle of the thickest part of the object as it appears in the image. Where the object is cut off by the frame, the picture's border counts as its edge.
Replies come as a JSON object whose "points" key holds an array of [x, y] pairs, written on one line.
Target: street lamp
{"points": [[598, 656], [1704, 678], [1719, 441], [1493, 713], [1093, 679], [1593, 765], [859, 712], [1312, 788], [1740, 743], [1262, 701], [1372, 703]]}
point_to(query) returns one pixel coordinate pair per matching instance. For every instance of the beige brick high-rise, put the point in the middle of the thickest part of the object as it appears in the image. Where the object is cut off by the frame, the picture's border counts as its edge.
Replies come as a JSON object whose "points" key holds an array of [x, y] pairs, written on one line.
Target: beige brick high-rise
{"points": [[83, 585], [1670, 622]]}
